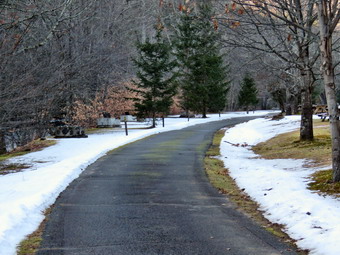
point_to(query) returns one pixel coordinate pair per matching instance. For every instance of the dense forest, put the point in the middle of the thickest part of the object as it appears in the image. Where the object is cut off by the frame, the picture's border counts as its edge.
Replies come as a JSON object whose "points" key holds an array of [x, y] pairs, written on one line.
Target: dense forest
{"points": [[74, 59]]}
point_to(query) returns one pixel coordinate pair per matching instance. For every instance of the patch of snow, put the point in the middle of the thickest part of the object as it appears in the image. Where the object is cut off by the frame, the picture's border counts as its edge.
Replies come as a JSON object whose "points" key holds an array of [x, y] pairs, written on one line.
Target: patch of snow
{"points": [[280, 186]]}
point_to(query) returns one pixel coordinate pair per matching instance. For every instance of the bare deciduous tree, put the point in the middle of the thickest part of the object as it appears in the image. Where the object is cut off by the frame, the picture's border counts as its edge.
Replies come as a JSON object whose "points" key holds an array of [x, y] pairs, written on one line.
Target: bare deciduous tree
{"points": [[284, 29], [329, 16], [53, 53]]}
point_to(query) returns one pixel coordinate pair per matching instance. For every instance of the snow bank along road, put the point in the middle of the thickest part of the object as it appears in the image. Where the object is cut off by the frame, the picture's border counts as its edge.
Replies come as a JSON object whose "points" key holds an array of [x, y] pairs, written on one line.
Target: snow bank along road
{"points": [[25, 195], [280, 186], [311, 219], [153, 197]]}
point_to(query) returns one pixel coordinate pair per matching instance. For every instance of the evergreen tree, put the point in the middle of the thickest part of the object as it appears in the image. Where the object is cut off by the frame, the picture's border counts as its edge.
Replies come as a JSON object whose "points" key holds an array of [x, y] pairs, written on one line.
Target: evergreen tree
{"points": [[201, 69], [185, 45], [155, 84], [219, 87], [248, 93]]}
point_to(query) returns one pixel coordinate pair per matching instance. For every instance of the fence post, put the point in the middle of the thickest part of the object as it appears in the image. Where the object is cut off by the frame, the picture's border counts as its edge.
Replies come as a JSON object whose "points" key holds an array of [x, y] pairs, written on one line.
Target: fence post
{"points": [[126, 129]]}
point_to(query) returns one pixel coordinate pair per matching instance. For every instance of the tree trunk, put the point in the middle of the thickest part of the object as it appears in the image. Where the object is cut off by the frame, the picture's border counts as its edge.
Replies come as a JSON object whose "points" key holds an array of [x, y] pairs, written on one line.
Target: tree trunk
{"points": [[288, 110], [306, 129], [292, 104], [329, 82], [2, 143], [295, 106], [153, 120], [204, 112], [282, 106], [334, 122]]}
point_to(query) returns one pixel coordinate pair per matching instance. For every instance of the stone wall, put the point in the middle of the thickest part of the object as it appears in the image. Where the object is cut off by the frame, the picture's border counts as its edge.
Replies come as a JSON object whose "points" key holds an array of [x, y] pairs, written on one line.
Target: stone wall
{"points": [[11, 139], [67, 131]]}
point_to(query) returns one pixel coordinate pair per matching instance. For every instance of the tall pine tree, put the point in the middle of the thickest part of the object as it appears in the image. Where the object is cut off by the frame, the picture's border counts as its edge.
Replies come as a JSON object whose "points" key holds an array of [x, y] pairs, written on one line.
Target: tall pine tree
{"points": [[248, 93], [202, 73], [185, 46], [155, 84]]}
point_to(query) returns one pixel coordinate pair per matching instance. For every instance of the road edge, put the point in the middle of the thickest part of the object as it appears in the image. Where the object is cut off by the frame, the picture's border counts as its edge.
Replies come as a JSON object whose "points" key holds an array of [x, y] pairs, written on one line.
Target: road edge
{"points": [[220, 179]]}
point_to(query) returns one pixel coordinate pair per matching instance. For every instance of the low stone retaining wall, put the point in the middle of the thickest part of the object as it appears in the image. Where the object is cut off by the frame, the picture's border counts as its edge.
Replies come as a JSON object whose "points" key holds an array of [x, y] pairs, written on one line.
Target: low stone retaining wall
{"points": [[10, 139], [68, 132]]}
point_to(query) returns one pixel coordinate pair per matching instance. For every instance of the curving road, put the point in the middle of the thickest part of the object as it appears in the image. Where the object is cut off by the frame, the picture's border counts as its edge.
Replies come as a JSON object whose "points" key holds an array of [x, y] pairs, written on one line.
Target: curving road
{"points": [[153, 197]]}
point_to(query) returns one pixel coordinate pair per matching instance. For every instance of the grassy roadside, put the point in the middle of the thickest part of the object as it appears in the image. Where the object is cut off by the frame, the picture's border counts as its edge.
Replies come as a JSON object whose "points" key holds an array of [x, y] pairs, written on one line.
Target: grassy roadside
{"points": [[317, 152], [36, 145], [220, 178], [30, 245], [287, 145]]}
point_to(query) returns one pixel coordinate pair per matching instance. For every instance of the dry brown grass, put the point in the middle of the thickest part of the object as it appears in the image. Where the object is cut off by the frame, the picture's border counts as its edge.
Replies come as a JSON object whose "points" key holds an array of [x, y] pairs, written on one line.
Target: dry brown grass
{"points": [[322, 183], [288, 145], [30, 245], [36, 145]]}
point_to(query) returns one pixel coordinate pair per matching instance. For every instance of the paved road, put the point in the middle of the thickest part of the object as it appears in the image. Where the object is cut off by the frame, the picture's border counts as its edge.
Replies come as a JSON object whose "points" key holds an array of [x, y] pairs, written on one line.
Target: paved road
{"points": [[153, 197]]}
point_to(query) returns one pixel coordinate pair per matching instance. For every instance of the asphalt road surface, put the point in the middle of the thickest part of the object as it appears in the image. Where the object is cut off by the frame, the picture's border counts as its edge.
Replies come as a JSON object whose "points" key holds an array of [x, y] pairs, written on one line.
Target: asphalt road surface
{"points": [[153, 197]]}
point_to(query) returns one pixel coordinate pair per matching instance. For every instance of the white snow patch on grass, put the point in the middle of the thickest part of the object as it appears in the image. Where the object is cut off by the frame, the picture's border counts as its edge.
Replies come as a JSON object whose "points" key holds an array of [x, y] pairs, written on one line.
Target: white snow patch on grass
{"points": [[280, 186]]}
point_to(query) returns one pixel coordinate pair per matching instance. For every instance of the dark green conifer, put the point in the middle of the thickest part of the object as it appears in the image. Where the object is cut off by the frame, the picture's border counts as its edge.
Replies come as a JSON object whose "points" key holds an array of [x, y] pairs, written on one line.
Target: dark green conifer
{"points": [[248, 93], [202, 73], [155, 84]]}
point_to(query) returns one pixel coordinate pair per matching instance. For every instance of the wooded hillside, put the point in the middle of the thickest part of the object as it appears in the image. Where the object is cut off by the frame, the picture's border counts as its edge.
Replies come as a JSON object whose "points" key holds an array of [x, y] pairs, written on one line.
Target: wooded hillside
{"points": [[65, 58]]}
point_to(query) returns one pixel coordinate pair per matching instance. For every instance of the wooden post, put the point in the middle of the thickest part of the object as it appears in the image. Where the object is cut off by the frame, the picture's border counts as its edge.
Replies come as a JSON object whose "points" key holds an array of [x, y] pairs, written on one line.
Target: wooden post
{"points": [[126, 129]]}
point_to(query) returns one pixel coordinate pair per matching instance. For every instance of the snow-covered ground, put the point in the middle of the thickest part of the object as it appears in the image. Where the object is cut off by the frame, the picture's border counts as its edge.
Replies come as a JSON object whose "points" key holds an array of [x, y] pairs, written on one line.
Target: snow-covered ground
{"points": [[25, 195], [280, 186]]}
